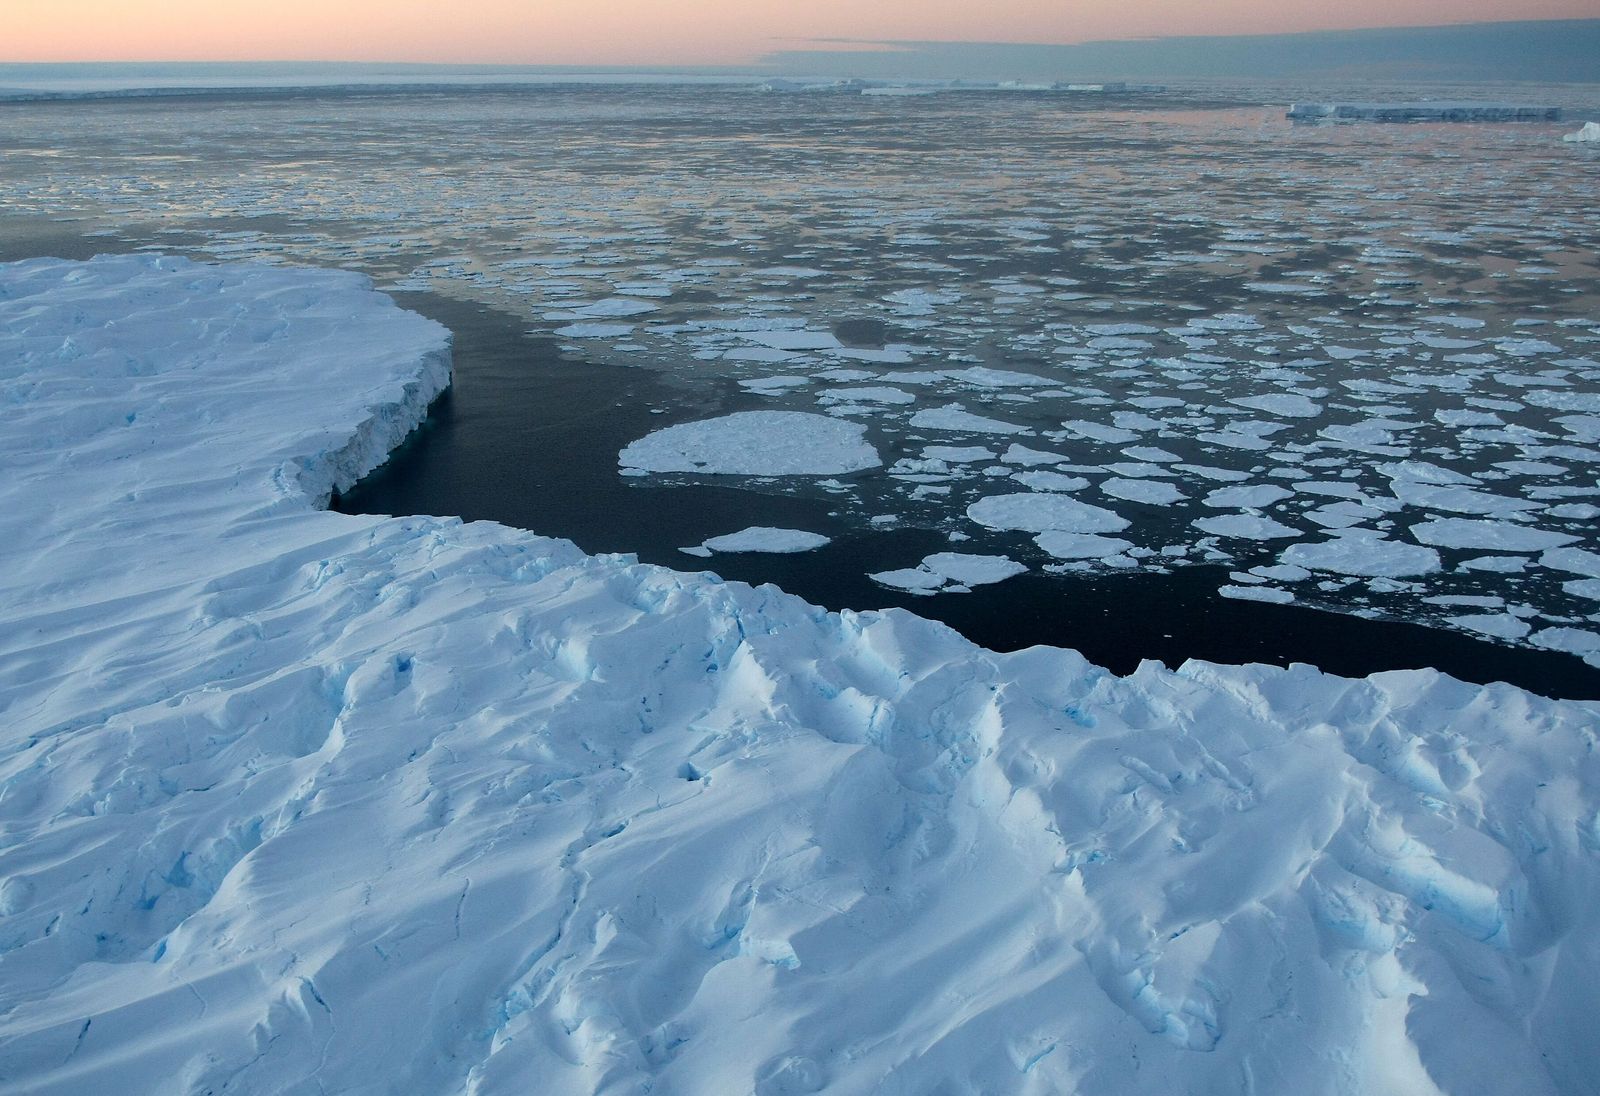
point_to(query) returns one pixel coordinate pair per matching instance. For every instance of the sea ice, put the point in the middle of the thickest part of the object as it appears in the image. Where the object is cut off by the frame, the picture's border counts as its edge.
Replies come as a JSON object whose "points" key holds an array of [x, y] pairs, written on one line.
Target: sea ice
{"points": [[950, 572], [954, 417], [1037, 513], [1363, 555], [1501, 536], [1246, 527], [760, 538], [1151, 492], [1063, 545], [1252, 497], [755, 443], [1269, 594]]}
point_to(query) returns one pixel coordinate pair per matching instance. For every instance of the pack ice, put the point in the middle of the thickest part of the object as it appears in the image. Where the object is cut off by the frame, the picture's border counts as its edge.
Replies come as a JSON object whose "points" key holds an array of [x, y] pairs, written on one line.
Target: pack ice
{"points": [[292, 801]]}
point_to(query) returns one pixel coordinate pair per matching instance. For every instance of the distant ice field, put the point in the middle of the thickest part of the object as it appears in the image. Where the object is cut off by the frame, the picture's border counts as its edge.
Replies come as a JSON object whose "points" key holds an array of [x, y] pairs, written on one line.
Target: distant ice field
{"points": [[1349, 368]]}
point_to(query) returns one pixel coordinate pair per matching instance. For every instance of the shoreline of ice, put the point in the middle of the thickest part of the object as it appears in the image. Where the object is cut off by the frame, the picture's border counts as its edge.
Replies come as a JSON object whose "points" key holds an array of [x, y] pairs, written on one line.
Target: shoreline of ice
{"points": [[290, 798]]}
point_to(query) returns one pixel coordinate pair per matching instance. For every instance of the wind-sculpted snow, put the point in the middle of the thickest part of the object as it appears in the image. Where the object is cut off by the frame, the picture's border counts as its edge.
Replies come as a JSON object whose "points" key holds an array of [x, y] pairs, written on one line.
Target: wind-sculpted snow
{"points": [[294, 801]]}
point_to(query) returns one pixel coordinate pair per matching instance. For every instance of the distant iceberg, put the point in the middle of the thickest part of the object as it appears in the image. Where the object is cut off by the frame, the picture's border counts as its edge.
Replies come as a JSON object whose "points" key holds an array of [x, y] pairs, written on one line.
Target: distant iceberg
{"points": [[1589, 132]]}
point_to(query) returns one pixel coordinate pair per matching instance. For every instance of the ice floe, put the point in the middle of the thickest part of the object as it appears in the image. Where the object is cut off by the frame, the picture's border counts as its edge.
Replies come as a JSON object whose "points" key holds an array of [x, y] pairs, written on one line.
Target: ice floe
{"points": [[761, 538], [1363, 554], [755, 443]]}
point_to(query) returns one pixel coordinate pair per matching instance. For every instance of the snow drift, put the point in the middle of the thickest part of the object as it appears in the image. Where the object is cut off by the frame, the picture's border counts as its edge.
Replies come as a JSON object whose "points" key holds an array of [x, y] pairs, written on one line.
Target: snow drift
{"points": [[292, 801]]}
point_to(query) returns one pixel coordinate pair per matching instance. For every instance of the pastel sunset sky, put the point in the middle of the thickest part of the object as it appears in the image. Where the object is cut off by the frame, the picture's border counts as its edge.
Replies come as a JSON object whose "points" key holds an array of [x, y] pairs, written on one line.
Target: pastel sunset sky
{"points": [[666, 32]]}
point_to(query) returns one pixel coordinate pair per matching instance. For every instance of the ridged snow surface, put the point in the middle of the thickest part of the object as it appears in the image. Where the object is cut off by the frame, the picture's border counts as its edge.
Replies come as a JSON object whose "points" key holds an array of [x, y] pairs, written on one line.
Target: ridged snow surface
{"points": [[296, 802]]}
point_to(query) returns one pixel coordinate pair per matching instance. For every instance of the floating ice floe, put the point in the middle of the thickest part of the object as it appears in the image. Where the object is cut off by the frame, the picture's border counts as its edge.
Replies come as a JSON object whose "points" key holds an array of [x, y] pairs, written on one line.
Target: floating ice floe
{"points": [[1065, 545], [594, 330], [1246, 527], [1271, 595], [1038, 513], [950, 572], [1590, 131], [1148, 491], [955, 418], [755, 443], [1366, 555], [299, 801], [1502, 536], [761, 538]]}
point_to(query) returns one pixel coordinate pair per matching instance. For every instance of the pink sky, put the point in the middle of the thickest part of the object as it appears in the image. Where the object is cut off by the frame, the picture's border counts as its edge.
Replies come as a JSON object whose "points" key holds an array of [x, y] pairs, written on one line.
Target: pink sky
{"points": [[641, 32]]}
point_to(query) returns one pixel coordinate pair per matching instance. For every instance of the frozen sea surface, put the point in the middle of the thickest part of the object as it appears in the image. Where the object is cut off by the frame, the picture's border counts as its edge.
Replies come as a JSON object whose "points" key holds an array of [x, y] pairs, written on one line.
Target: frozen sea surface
{"points": [[1344, 329], [292, 799]]}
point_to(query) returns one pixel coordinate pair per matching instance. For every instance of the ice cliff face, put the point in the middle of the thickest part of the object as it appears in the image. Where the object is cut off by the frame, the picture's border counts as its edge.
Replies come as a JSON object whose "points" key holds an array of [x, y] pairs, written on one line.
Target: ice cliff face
{"points": [[293, 802]]}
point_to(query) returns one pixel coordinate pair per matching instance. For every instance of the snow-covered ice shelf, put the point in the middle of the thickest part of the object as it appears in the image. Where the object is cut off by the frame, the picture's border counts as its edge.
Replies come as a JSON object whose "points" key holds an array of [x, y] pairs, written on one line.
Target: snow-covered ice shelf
{"points": [[296, 801]]}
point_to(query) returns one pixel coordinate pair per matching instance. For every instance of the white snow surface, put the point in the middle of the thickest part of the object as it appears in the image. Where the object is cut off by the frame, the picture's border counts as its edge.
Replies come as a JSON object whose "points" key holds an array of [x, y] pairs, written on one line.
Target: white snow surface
{"points": [[292, 801], [755, 443]]}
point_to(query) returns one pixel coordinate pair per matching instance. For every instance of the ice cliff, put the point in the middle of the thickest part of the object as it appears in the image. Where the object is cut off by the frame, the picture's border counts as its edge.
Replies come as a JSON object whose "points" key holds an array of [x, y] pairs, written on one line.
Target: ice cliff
{"points": [[298, 802]]}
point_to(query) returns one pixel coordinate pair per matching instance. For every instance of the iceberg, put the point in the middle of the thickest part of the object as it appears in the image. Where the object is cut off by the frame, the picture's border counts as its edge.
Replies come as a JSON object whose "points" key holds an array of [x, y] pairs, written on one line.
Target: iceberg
{"points": [[296, 801], [1589, 132]]}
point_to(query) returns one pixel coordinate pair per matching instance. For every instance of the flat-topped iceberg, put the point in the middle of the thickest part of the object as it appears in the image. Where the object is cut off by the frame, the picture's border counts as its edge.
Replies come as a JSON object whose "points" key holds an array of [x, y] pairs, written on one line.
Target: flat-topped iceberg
{"points": [[293, 801]]}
